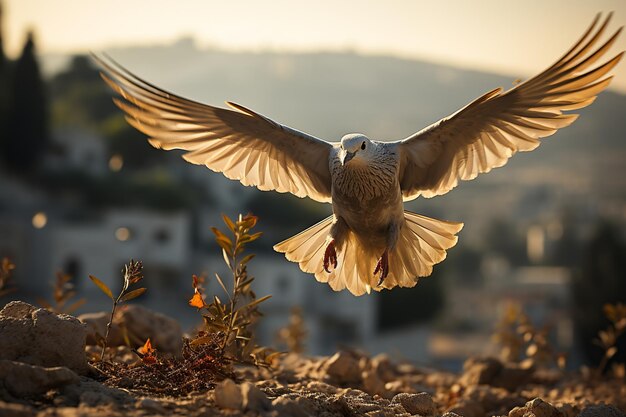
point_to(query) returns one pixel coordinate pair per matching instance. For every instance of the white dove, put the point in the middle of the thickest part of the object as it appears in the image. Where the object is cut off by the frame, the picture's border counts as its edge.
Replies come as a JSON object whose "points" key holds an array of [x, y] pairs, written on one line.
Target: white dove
{"points": [[370, 241]]}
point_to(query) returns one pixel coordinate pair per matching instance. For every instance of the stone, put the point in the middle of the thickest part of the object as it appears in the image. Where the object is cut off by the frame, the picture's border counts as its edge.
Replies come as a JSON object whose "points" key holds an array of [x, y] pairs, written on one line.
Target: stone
{"points": [[478, 371], [253, 398], [39, 337], [151, 405], [16, 410], [421, 403], [343, 367], [535, 408], [95, 399], [96, 324], [512, 376], [372, 383], [164, 332], [141, 323], [24, 380], [468, 408], [288, 407], [227, 394], [490, 371], [602, 411], [384, 368]]}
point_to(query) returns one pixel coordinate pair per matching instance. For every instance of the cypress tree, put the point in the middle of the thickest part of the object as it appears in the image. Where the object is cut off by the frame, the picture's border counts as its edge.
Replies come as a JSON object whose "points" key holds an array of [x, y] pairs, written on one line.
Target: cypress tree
{"points": [[27, 125]]}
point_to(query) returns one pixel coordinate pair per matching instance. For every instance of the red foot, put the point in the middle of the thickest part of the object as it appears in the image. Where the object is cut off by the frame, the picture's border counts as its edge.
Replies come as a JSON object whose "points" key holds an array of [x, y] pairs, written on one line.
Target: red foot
{"points": [[330, 256], [383, 267]]}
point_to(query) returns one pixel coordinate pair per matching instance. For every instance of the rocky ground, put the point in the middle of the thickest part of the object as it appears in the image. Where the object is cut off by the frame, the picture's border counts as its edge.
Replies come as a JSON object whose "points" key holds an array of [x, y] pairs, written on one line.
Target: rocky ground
{"points": [[44, 371]]}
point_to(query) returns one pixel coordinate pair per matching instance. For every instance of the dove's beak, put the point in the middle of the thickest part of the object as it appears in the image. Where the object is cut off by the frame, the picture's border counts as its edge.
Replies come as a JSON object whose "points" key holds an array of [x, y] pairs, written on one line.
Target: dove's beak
{"points": [[348, 156]]}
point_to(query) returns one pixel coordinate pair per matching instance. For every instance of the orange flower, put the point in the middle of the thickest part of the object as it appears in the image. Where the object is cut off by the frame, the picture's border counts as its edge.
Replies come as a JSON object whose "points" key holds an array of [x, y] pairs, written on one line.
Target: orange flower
{"points": [[148, 353], [197, 300]]}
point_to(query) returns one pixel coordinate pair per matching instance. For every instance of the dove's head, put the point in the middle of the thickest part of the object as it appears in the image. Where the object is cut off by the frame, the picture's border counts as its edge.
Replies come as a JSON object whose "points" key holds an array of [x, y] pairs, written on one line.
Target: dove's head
{"points": [[357, 148]]}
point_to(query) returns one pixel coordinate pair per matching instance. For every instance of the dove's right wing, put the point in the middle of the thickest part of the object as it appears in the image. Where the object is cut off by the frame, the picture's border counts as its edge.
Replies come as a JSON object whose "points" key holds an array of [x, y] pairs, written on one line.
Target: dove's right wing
{"points": [[241, 144], [487, 132]]}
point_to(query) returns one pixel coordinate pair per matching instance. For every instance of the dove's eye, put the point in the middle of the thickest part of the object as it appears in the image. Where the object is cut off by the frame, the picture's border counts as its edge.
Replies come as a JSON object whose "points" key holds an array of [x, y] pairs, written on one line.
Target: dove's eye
{"points": [[363, 145]]}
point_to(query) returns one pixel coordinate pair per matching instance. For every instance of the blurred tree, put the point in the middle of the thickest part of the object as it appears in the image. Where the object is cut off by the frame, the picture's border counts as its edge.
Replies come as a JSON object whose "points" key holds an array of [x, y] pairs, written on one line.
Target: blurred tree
{"points": [[502, 238], [82, 100], [567, 250], [600, 281], [4, 85], [27, 137]]}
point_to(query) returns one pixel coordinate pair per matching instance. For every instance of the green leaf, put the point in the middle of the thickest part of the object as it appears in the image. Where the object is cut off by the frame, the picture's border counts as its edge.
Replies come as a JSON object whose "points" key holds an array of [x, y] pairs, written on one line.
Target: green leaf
{"points": [[202, 340], [222, 284], [102, 287], [219, 235], [255, 302], [226, 258], [229, 223], [255, 236], [247, 259], [133, 294]]}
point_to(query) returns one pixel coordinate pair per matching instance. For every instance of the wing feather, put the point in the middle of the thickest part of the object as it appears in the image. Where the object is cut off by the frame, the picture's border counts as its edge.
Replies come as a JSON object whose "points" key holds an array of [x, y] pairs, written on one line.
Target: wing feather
{"points": [[240, 143], [487, 132]]}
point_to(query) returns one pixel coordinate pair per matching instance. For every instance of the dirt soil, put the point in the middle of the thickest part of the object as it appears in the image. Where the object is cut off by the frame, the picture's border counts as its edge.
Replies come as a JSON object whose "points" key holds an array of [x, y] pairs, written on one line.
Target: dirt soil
{"points": [[36, 379]]}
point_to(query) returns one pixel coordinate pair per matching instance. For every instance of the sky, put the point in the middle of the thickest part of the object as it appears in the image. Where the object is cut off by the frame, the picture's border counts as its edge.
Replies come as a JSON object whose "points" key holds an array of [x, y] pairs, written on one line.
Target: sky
{"points": [[513, 38]]}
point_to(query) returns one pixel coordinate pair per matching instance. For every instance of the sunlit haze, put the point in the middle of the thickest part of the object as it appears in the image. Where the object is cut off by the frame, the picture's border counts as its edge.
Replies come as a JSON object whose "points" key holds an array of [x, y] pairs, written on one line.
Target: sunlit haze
{"points": [[511, 38]]}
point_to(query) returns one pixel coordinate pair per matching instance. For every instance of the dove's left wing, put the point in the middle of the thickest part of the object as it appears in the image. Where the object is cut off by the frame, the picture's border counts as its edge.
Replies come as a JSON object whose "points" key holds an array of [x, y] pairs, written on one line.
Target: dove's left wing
{"points": [[487, 132], [240, 143]]}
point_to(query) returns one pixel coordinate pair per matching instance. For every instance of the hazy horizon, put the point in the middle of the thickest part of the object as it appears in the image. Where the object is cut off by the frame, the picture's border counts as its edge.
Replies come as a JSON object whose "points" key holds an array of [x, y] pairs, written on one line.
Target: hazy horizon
{"points": [[464, 35]]}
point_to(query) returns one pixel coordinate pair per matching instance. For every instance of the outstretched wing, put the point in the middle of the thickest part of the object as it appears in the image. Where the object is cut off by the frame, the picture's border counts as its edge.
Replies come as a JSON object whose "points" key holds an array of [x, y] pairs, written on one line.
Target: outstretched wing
{"points": [[487, 132], [240, 143]]}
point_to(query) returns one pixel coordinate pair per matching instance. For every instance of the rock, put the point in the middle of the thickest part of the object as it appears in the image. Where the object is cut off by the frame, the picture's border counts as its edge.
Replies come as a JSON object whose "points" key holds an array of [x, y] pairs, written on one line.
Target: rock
{"points": [[381, 364], [480, 371], [151, 405], [289, 407], [95, 399], [421, 403], [343, 367], [536, 408], [511, 376], [96, 324], [601, 411], [40, 337], [164, 332], [228, 395], [16, 410], [450, 414], [21, 379], [253, 398], [90, 393], [141, 323], [490, 371], [372, 383], [468, 408]]}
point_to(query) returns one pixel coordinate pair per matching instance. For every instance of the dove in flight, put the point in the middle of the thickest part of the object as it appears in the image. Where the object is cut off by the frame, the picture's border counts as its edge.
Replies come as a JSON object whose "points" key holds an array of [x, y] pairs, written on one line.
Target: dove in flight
{"points": [[370, 241]]}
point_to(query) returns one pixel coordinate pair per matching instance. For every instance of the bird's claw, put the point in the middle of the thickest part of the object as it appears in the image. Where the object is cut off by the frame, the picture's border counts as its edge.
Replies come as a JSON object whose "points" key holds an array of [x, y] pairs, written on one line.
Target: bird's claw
{"points": [[330, 256], [382, 267]]}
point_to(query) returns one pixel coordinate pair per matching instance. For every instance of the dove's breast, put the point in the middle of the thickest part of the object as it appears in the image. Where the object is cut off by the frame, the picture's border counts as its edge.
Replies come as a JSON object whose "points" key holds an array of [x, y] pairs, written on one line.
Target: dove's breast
{"points": [[367, 197]]}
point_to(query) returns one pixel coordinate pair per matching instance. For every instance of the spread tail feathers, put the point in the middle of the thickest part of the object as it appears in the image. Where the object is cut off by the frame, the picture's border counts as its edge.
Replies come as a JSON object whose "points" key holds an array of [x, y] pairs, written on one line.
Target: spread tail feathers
{"points": [[422, 243]]}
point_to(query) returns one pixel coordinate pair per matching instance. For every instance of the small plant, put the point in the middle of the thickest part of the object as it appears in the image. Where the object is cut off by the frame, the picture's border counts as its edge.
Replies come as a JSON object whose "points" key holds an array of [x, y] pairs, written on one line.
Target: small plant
{"points": [[607, 339], [294, 334], [63, 292], [6, 271], [132, 274], [521, 340], [230, 323]]}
